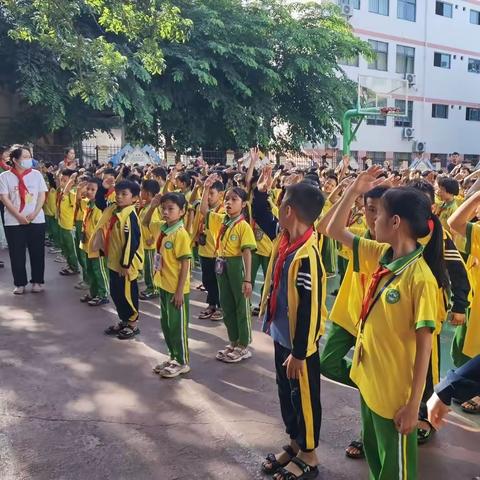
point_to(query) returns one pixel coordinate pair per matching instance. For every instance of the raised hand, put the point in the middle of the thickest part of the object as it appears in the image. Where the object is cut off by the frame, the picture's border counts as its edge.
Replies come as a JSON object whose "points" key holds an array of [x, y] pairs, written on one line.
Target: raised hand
{"points": [[156, 200], [367, 180], [265, 180]]}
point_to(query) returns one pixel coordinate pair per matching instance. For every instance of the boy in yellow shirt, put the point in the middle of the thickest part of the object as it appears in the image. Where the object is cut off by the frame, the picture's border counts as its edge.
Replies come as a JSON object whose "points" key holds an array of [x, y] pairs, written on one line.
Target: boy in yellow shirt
{"points": [[80, 207], [66, 199], [149, 189], [447, 189], [172, 264], [118, 235]]}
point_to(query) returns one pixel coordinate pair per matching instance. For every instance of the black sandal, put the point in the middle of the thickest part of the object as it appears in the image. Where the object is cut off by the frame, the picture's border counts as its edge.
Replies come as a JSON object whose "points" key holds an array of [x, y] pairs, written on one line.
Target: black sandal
{"points": [[275, 465], [424, 436], [114, 329], [128, 332], [359, 446], [308, 472]]}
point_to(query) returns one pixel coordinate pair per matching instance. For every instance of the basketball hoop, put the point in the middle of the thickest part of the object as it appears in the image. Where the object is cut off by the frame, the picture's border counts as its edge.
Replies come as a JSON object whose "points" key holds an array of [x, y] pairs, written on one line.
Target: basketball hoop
{"points": [[389, 110]]}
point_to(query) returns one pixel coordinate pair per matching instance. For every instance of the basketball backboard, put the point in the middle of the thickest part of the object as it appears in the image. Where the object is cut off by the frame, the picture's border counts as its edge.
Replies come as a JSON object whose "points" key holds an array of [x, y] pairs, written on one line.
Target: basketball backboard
{"points": [[388, 95]]}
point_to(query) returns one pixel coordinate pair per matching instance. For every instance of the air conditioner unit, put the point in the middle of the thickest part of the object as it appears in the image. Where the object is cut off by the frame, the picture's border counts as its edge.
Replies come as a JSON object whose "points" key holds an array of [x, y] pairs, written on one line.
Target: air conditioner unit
{"points": [[411, 79], [419, 147], [347, 10], [408, 132], [333, 143]]}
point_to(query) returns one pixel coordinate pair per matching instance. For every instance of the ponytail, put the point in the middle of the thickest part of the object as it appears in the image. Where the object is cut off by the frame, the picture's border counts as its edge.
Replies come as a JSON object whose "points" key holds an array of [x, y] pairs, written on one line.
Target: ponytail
{"points": [[434, 254]]}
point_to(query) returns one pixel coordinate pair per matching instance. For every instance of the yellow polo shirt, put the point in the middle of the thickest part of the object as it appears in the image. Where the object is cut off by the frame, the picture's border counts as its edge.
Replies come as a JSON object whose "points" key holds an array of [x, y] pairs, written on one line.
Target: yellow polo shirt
{"points": [[207, 250], [91, 216], [50, 205], [471, 345], [445, 211], [80, 208], [150, 233], [384, 373], [66, 210], [237, 237], [175, 247]]}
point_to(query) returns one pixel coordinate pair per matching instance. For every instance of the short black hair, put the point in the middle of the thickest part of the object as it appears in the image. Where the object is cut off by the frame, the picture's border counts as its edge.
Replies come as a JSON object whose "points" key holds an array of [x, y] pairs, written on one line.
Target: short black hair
{"points": [[375, 193], [109, 171], [306, 200], [151, 186], [423, 186], [176, 198], [95, 180], [160, 172], [66, 172], [449, 184], [128, 185], [218, 186]]}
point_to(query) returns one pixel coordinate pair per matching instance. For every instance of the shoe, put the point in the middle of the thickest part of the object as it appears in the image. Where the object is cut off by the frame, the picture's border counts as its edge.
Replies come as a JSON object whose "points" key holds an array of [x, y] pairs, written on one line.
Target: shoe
{"points": [[81, 285], [68, 272], [54, 250], [206, 314], [255, 312], [37, 287], [174, 370], [97, 301], [237, 355], [60, 259], [161, 366], [221, 354], [86, 298], [19, 290], [148, 295], [216, 316]]}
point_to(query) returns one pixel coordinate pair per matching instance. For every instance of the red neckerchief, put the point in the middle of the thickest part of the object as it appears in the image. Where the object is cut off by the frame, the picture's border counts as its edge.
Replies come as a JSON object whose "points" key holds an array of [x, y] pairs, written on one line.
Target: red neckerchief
{"points": [[111, 224], [22, 188], [109, 192], [4, 166], [285, 248], [368, 298]]}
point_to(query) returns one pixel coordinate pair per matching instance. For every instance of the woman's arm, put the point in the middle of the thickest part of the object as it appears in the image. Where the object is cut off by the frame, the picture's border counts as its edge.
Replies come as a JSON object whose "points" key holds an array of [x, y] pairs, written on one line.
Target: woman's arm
{"points": [[463, 214], [40, 201], [12, 209]]}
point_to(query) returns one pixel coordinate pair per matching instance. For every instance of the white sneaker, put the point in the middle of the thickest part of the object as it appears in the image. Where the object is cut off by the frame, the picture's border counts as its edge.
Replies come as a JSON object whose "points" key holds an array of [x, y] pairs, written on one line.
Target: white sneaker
{"points": [[174, 370], [19, 290], [37, 287], [237, 355], [60, 259], [54, 250]]}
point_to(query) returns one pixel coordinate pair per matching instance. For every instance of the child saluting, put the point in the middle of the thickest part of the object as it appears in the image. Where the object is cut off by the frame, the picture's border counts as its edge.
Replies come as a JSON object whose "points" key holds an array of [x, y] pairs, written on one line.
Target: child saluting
{"points": [[397, 319]]}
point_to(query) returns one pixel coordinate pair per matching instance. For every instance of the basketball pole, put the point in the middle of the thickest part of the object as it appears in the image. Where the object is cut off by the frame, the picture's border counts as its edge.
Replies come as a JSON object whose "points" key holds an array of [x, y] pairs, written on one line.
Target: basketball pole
{"points": [[348, 116]]}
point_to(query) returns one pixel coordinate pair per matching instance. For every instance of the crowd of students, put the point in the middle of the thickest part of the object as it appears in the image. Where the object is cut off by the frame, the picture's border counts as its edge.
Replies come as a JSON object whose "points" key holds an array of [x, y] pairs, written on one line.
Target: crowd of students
{"points": [[405, 244]]}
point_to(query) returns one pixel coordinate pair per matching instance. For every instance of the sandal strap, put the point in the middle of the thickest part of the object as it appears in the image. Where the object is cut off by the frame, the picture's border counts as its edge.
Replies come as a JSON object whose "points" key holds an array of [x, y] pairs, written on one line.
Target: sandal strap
{"points": [[304, 467]]}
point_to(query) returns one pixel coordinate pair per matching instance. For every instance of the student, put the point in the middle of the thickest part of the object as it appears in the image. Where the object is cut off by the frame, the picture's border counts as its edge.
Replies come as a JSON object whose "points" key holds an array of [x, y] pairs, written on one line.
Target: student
{"points": [[149, 189], [173, 279], [234, 243], [66, 198], [206, 251], [106, 191], [293, 304], [119, 236], [49, 209], [80, 207], [159, 174], [447, 189], [398, 317], [96, 271]]}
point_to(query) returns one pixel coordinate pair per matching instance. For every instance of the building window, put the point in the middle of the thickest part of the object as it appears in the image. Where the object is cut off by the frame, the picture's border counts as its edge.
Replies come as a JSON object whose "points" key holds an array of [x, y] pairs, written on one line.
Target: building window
{"points": [[444, 9], [399, 157], [349, 62], [378, 120], [378, 6], [473, 114], [439, 157], [355, 4], [405, 59], [439, 111], [377, 157], [381, 59], [475, 17], [471, 158], [404, 121], [406, 9], [473, 65], [442, 60]]}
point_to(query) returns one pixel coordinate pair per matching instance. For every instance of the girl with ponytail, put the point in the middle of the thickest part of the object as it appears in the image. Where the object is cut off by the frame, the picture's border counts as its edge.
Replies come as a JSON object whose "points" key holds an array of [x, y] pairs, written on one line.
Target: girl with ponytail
{"points": [[398, 317]]}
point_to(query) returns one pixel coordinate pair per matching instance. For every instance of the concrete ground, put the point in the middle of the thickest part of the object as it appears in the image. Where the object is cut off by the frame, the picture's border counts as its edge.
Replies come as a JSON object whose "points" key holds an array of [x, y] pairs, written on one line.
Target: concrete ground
{"points": [[75, 404]]}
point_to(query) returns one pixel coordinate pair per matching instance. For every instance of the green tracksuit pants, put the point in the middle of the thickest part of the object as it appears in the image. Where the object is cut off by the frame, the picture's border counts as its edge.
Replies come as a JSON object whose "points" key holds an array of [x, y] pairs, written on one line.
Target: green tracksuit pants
{"points": [[53, 230], [68, 248], [333, 363], [97, 275], [390, 455], [174, 323], [257, 262], [148, 270], [236, 308], [458, 357], [81, 255]]}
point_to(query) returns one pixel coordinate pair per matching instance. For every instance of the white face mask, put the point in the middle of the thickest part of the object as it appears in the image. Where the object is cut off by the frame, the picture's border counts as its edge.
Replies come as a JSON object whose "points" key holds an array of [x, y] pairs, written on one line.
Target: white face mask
{"points": [[26, 164]]}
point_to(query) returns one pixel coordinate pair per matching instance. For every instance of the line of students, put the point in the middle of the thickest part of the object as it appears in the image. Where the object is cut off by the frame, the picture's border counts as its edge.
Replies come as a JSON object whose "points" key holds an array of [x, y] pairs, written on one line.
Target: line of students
{"points": [[390, 307]]}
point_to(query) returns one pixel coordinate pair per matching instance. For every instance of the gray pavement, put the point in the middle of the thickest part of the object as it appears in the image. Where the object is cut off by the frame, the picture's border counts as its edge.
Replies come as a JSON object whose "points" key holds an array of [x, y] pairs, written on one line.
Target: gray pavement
{"points": [[75, 404]]}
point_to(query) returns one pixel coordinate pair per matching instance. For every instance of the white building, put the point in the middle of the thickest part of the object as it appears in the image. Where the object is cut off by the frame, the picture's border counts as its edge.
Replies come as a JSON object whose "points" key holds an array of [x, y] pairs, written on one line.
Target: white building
{"points": [[439, 42]]}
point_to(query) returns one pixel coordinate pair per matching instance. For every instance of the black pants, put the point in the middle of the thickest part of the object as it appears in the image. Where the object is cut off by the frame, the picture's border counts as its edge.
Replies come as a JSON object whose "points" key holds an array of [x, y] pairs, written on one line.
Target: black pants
{"points": [[19, 239], [300, 400], [124, 293], [209, 280]]}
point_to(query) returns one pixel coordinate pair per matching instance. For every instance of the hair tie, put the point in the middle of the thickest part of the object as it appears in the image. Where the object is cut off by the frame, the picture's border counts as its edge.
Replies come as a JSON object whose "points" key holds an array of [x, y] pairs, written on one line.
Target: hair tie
{"points": [[431, 224]]}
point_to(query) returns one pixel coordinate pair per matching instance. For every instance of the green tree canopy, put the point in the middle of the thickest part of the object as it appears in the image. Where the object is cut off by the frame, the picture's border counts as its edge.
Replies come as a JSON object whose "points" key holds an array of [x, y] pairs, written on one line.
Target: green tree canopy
{"points": [[210, 73]]}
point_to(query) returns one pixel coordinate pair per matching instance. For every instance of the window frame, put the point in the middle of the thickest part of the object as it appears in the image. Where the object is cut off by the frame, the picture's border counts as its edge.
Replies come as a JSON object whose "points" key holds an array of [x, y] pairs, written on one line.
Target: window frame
{"points": [[374, 64], [377, 157], [472, 60], [442, 54], [404, 122], [407, 57], [371, 7], [477, 14], [443, 4], [406, 4], [435, 110], [472, 110]]}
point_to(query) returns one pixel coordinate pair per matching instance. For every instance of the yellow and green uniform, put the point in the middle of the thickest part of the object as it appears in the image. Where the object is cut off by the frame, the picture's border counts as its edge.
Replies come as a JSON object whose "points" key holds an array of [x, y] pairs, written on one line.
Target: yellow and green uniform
{"points": [[96, 272], [232, 236], [149, 240], [328, 246], [80, 208], [50, 209], [123, 248], [404, 301], [445, 211], [173, 247], [66, 222]]}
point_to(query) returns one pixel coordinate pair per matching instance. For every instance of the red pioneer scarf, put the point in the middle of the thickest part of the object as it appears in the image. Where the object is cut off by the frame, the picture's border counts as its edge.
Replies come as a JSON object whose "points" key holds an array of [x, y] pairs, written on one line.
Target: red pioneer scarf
{"points": [[22, 188], [284, 250]]}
